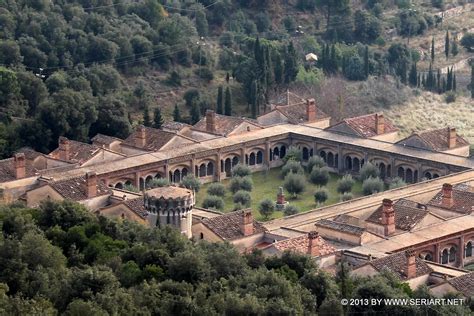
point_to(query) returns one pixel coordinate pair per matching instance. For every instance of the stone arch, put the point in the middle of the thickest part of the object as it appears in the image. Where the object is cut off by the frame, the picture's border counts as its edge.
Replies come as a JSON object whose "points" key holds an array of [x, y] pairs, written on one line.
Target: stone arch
{"points": [[408, 175], [202, 170], [259, 157], [330, 159], [128, 182], [210, 168], [356, 164], [452, 254], [322, 154], [426, 255], [118, 185], [445, 256], [252, 159], [305, 153], [401, 173], [348, 163]]}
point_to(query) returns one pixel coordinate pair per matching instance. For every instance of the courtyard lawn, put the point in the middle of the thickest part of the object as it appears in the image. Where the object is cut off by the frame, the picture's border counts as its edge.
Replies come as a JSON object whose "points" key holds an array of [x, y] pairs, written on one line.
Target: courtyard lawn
{"points": [[266, 184]]}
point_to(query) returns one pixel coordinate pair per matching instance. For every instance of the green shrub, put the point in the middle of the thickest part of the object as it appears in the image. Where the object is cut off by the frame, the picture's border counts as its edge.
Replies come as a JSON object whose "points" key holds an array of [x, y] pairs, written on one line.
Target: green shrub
{"points": [[372, 185], [242, 197], [241, 183], [450, 97], [266, 208], [290, 210], [319, 176], [158, 183], [294, 183], [131, 188], [369, 170], [345, 184], [241, 170], [315, 161], [291, 166], [191, 182], [217, 189], [346, 196], [321, 195], [214, 202], [397, 183], [293, 153]]}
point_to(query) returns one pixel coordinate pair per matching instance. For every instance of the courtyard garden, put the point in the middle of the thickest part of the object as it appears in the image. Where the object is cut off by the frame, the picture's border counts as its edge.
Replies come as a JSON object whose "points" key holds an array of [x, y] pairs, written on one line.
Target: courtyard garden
{"points": [[306, 186]]}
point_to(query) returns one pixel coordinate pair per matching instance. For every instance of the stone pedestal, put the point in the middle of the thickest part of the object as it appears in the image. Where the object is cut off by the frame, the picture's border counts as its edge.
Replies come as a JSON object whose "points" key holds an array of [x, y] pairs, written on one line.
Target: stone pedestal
{"points": [[281, 202]]}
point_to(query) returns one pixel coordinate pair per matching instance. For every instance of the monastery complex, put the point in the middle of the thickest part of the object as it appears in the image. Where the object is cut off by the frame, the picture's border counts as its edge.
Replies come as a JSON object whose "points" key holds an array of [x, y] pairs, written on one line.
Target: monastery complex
{"points": [[423, 232]]}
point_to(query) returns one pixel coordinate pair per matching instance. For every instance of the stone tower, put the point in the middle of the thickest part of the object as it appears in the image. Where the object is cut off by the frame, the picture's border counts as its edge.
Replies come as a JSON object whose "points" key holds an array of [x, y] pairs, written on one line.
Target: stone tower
{"points": [[170, 206]]}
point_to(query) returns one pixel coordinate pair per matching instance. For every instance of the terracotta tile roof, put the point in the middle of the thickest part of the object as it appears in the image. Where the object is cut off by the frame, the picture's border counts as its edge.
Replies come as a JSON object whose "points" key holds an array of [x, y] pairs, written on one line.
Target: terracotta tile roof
{"points": [[346, 228], [397, 263], [227, 226], [78, 152], [75, 188], [105, 139], [155, 139], [348, 219], [407, 215], [224, 124], [300, 244], [174, 126], [7, 170], [364, 125], [137, 206], [438, 139], [463, 200], [464, 284], [30, 154], [296, 113]]}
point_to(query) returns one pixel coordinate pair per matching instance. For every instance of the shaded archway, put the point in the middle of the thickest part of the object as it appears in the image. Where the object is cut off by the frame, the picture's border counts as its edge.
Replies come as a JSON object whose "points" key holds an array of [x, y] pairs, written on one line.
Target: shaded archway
{"points": [[259, 157], [252, 159], [444, 256], [452, 254], [330, 159], [305, 154], [210, 169], [119, 185], [356, 164], [348, 163], [468, 252], [408, 175]]}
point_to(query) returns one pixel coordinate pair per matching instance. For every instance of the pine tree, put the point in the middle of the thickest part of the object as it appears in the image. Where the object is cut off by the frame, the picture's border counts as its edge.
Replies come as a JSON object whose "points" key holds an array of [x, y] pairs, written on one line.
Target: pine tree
{"points": [[220, 100], [228, 102], [413, 76], [432, 50], [195, 114], [157, 118], [366, 62], [146, 116], [446, 45], [176, 114]]}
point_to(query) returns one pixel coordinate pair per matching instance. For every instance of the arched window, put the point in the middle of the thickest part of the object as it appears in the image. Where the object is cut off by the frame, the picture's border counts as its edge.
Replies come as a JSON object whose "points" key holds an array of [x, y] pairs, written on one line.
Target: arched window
{"points": [[228, 166], [452, 254], [252, 159], [409, 176], [119, 185], [128, 182], [202, 170], [210, 169], [444, 256], [469, 249], [235, 161], [435, 176], [428, 175], [389, 171], [283, 151], [259, 157], [148, 180], [429, 257], [330, 159], [356, 164], [176, 176], [305, 154], [322, 154], [276, 153], [201, 236], [401, 173], [382, 170], [348, 163], [184, 172]]}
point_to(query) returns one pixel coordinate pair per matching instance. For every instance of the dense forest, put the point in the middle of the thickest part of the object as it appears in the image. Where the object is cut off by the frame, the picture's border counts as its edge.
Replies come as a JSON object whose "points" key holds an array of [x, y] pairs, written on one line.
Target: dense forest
{"points": [[61, 259], [71, 68]]}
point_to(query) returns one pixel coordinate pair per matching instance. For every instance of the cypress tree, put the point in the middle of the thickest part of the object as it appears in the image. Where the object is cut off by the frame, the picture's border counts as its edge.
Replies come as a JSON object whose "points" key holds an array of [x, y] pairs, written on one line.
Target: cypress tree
{"points": [[403, 72], [366, 62], [228, 102], [430, 82], [438, 81], [291, 64], [254, 98], [227, 77], [418, 81], [454, 47], [449, 79], [176, 114], [157, 118], [333, 66], [432, 50], [146, 116], [278, 69], [446, 45], [443, 85], [423, 81], [195, 114], [454, 82], [220, 100], [413, 76]]}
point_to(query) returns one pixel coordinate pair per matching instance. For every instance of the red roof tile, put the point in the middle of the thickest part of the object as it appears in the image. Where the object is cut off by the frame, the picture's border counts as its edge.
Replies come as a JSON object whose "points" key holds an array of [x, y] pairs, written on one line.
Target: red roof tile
{"points": [[78, 152], [463, 200], [407, 215], [75, 188], [227, 226], [300, 244], [464, 284], [364, 125], [397, 264], [155, 139], [224, 124], [438, 139]]}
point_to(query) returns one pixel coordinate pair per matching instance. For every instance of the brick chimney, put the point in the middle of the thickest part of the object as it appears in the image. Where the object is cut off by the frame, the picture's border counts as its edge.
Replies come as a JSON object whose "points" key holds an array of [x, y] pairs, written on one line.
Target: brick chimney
{"points": [[313, 247], [246, 226], [447, 195], [388, 217], [140, 137], [410, 271], [310, 110], [452, 137], [20, 165], [379, 124], [64, 148], [210, 121], [91, 184]]}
